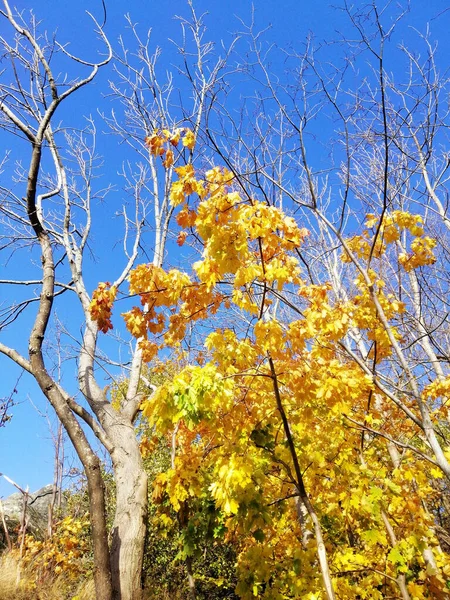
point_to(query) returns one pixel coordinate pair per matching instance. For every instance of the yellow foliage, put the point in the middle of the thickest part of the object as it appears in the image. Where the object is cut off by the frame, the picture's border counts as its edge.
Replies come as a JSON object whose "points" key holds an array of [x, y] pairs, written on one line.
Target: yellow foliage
{"points": [[281, 380], [189, 139]]}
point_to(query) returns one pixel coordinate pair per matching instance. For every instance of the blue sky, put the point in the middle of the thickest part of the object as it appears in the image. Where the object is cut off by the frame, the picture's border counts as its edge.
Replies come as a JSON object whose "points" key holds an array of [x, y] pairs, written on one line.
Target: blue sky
{"points": [[25, 443]]}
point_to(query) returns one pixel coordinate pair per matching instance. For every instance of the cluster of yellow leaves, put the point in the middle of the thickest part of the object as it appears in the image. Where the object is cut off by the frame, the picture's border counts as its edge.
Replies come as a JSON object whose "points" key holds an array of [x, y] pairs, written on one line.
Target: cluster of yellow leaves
{"points": [[191, 395], [421, 254], [66, 552], [395, 222], [439, 388], [161, 143], [388, 232], [186, 185], [365, 317], [228, 405], [250, 241], [161, 292]]}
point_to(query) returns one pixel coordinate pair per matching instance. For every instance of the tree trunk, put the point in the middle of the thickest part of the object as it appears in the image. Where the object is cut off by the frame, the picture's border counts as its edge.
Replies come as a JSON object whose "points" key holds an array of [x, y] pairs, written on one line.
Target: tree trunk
{"points": [[191, 578], [128, 535], [97, 513]]}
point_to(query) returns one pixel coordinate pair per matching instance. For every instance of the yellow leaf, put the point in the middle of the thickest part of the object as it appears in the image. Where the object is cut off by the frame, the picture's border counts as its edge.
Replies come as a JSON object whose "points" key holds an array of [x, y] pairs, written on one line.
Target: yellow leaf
{"points": [[189, 139]]}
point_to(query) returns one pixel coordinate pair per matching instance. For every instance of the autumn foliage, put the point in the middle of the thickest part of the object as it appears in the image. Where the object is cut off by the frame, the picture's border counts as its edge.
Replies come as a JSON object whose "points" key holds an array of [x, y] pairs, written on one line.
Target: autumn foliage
{"points": [[276, 419]]}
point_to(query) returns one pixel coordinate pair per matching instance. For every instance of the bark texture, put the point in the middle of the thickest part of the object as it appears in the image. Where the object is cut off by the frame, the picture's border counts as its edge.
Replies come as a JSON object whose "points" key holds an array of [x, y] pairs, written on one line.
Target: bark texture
{"points": [[128, 533]]}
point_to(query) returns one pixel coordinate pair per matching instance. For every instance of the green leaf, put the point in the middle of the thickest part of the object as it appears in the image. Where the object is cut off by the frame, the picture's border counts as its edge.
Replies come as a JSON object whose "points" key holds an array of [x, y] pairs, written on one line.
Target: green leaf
{"points": [[396, 557], [374, 536]]}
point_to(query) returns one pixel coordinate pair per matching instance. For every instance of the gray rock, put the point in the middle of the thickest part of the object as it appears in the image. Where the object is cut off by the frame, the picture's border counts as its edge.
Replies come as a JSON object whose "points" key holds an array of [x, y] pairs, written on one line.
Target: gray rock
{"points": [[37, 510]]}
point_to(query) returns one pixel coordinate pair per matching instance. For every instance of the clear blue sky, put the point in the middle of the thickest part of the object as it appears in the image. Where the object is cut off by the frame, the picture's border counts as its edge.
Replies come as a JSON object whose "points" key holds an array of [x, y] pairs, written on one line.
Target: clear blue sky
{"points": [[25, 443]]}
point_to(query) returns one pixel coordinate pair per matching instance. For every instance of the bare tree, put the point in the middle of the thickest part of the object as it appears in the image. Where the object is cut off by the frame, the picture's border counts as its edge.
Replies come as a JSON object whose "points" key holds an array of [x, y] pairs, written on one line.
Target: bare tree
{"points": [[28, 108]]}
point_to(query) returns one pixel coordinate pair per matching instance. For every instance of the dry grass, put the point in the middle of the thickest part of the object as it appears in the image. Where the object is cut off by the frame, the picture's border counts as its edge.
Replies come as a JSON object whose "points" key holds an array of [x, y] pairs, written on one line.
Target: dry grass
{"points": [[9, 574], [86, 590], [56, 589]]}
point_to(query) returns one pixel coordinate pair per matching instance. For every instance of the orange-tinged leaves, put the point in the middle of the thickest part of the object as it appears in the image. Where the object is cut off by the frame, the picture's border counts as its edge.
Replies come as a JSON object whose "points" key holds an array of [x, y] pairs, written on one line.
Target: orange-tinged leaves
{"points": [[186, 217], [136, 322], [174, 137], [149, 350], [160, 143], [181, 238], [417, 591], [101, 306], [186, 185], [269, 336], [155, 144], [168, 161], [63, 553]]}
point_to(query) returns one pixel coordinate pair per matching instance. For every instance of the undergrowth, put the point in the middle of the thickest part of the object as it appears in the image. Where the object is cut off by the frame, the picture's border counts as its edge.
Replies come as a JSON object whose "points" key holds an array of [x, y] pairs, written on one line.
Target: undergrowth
{"points": [[19, 583]]}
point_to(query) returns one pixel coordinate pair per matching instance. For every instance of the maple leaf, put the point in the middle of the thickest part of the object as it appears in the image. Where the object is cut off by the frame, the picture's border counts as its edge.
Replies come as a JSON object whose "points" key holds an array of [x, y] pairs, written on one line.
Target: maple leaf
{"points": [[101, 306], [189, 139], [136, 322], [168, 161], [174, 137], [149, 350], [186, 217], [177, 194], [155, 144], [181, 237]]}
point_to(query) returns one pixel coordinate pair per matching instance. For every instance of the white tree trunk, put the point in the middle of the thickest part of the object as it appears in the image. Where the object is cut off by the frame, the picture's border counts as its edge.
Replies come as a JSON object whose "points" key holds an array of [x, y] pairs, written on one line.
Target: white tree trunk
{"points": [[128, 534]]}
